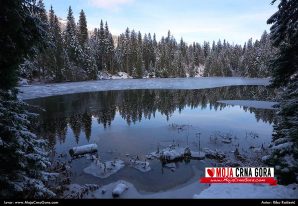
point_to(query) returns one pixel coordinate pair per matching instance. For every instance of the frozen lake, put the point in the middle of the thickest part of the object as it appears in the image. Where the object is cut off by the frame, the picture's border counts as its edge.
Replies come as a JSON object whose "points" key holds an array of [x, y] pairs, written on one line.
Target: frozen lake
{"points": [[133, 122], [45, 90]]}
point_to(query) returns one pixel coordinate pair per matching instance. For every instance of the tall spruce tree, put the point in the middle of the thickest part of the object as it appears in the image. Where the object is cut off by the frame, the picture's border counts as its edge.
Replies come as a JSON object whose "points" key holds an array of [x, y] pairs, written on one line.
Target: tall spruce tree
{"points": [[284, 34], [109, 49], [15, 21], [82, 29], [139, 63], [22, 154], [74, 59], [102, 47], [58, 49]]}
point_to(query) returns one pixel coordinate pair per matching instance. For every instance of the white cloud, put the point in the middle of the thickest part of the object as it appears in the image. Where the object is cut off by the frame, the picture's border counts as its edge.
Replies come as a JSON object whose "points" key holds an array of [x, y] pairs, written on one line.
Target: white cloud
{"points": [[110, 4]]}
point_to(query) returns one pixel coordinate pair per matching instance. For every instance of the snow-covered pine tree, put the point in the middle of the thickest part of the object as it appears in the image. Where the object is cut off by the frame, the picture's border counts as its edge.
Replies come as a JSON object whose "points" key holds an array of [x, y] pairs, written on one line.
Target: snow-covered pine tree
{"points": [[146, 52], [109, 50], [94, 48], [119, 54], [36, 66], [22, 155], [59, 50], [88, 62], [74, 71], [126, 51], [82, 29], [139, 63], [43, 59], [284, 34], [133, 48], [102, 48]]}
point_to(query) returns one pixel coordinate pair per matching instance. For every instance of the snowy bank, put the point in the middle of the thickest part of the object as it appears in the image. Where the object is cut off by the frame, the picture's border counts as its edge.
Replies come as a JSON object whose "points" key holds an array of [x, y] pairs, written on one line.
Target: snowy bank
{"points": [[234, 191], [251, 103], [36, 91], [127, 190], [119, 75], [106, 192]]}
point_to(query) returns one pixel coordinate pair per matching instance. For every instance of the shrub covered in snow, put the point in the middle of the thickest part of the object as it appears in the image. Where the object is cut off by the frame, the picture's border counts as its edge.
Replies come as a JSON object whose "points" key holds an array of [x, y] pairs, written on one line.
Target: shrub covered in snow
{"points": [[22, 153], [285, 144]]}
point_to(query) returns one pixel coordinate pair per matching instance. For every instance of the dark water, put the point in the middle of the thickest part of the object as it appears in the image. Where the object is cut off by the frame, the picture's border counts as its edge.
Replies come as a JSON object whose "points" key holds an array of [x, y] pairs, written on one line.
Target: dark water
{"points": [[138, 122]]}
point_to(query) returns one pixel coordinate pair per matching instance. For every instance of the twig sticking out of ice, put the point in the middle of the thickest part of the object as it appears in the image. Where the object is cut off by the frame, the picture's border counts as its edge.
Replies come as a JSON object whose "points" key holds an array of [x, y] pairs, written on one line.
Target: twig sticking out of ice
{"points": [[214, 154], [198, 155], [173, 153], [119, 190], [85, 149], [171, 165], [104, 169], [142, 166], [153, 155]]}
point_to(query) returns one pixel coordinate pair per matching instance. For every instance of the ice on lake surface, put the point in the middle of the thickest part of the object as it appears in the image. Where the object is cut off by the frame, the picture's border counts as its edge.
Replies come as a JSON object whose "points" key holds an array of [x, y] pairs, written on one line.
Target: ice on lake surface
{"points": [[134, 123], [45, 90]]}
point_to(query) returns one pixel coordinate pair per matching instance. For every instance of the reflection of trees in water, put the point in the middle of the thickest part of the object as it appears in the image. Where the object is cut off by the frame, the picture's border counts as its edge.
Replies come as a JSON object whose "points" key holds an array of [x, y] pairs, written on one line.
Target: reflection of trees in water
{"points": [[77, 110]]}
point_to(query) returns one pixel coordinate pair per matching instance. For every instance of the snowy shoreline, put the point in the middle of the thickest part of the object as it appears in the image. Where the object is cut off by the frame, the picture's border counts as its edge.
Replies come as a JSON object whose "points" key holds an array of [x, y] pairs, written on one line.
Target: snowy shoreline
{"points": [[46, 90], [193, 190]]}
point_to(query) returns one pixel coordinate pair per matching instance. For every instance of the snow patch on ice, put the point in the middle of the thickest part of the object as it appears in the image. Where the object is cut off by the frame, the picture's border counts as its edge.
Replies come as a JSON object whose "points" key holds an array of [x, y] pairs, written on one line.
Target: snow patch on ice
{"points": [[142, 166], [119, 189], [173, 153], [104, 169], [251, 103], [214, 154], [248, 191]]}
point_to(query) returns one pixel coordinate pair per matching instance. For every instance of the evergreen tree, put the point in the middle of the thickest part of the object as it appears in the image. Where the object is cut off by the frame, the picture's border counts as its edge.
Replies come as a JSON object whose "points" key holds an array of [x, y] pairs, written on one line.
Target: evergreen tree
{"points": [[18, 30], [109, 50], [102, 47], [36, 66], [74, 58], [139, 64], [82, 29], [22, 154], [284, 34], [59, 51]]}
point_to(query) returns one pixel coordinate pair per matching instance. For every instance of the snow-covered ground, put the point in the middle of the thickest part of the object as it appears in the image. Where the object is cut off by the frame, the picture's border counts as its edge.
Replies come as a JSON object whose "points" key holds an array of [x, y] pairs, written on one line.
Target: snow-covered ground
{"points": [[119, 75], [237, 191], [251, 103], [45, 90], [196, 190]]}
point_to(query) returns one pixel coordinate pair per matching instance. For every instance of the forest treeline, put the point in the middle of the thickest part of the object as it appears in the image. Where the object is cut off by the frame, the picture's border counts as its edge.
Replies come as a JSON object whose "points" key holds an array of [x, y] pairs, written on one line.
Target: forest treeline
{"points": [[72, 53]]}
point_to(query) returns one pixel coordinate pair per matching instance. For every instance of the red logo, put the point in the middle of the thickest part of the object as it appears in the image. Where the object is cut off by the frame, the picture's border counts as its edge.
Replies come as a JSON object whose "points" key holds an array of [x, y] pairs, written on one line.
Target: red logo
{"points": [[211, 172], [232, 175]]}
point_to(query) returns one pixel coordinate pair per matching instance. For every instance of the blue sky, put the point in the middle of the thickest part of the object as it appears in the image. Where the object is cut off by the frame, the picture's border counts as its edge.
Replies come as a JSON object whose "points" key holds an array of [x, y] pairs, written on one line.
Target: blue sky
{"points": [[194, 20]]}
